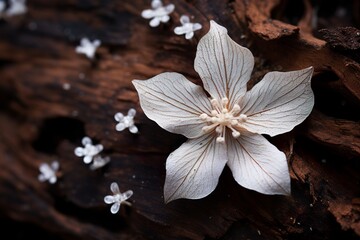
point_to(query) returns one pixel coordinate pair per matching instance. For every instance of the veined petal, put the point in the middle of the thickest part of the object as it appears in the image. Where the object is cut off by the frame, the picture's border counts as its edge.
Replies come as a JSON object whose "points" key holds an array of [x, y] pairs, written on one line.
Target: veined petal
{"points": [[193, 170], [258, 165], [223, 65], [174, 103], [279, 102]]}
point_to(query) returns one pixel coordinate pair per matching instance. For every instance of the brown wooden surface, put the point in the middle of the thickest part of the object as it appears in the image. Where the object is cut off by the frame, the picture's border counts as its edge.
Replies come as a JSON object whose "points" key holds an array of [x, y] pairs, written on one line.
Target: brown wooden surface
{"points": [[40, 121]]}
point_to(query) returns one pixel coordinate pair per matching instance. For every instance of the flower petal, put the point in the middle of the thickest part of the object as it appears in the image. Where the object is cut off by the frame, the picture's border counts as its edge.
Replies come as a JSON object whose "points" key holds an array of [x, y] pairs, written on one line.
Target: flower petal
{"points": [[115, 207], [184, 19], [193, 170], [126, 195], [197, 26], [109, 199], [120, 127], [119, 116], [279, 102], [86, 140], [45, 168], [87, 159], [131, 112], [42, 178], [99, 148], [55, 165], [154, 22], [147, 14], [223, 65], [174, 103], [79, 151], [165, 18], [156, 4], [189, 35], [258, 165], [133, 129], [53, 179], [169, 8], [179, 30], [114, 187]]}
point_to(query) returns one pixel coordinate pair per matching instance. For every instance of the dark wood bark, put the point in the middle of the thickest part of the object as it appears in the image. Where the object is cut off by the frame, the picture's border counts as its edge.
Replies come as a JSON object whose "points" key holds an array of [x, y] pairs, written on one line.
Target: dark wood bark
{"points": [[41, 121]]}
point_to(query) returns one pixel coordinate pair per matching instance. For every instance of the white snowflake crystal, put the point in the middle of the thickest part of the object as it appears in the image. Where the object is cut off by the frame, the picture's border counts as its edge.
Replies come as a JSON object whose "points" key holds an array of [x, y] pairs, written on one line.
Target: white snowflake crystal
{"points": [[158, 13], [48, 172], [126, 121], [117, 198], [87, 47], [187, 27], [89, 151]]}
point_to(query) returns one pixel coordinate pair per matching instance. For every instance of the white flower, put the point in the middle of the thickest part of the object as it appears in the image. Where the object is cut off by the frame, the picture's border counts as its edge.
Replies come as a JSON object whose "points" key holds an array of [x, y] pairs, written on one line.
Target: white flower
{"points": [[187, 27], [87, 47], [99, 162], [117, 198], [226, 128], [48, 172], [126, 121], [158, 13], [89, 150]]}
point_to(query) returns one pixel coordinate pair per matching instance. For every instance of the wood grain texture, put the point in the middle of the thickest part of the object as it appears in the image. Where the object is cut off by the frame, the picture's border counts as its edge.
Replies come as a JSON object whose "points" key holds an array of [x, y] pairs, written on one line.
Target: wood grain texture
{"points": [[41, 121]]}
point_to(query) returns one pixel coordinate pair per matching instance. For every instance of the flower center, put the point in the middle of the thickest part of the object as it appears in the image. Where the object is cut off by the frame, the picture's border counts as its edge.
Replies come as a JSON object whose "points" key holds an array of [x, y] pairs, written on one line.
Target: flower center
{"points": [[221, 118]]}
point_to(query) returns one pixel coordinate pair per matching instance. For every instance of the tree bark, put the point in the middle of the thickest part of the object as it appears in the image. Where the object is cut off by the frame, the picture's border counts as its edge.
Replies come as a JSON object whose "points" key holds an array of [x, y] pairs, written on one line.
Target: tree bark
{"points": [[51, 97]]}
